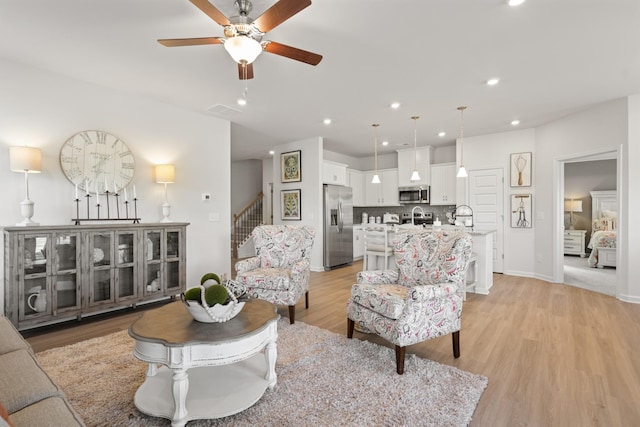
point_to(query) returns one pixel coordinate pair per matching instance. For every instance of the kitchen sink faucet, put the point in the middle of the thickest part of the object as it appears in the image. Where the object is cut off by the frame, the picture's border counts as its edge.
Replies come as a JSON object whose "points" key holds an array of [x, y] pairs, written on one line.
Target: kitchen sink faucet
{"points": [[413, 213]]}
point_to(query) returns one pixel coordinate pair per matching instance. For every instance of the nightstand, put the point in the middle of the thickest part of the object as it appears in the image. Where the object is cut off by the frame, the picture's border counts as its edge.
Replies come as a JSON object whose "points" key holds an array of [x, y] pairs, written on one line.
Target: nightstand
{"points": [[574, 242]]}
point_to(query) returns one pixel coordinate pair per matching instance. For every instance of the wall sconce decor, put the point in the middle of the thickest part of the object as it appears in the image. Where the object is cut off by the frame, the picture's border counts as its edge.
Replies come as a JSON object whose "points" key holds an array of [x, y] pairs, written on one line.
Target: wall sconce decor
{"points": [[26, 160], [165, 174]]}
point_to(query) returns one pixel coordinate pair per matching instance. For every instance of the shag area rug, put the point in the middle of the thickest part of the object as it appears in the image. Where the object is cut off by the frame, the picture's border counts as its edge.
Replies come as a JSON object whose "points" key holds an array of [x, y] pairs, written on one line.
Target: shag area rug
{"points": [[324, 379]]}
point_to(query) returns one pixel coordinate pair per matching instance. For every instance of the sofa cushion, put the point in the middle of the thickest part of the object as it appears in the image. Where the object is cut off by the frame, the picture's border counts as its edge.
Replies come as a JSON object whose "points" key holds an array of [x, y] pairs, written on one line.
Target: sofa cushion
{"points": [[276, 279], [48, 412], [385, 299], [23, 381], [10, 338]]}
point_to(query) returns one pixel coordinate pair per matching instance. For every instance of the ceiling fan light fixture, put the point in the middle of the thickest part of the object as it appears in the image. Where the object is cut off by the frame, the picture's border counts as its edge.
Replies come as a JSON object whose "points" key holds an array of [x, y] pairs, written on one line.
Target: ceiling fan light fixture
{"points": [[243, 49]]}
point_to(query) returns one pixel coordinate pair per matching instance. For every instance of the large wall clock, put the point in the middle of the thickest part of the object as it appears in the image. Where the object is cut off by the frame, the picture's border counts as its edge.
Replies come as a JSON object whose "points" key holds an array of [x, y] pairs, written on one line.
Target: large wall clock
{"points": [[95, 160]]}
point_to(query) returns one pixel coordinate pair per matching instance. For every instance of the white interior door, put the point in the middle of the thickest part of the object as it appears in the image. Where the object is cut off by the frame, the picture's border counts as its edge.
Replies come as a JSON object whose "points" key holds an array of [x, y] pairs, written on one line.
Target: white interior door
{"points": [[486, 198]]}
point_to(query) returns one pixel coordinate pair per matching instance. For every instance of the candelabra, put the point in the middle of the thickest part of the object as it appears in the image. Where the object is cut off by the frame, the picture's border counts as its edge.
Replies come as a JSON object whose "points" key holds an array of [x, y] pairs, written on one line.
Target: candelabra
{"points": [[77, 220]]}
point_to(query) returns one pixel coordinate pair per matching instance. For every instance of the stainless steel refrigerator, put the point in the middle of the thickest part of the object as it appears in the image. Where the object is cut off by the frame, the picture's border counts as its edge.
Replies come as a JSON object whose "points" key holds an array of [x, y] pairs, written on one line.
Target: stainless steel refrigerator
{"points": [[338, 226]]}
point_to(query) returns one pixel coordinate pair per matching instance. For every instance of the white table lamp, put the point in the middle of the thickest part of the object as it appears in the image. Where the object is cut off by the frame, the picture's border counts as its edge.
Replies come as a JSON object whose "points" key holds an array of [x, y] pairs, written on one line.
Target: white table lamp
{"points": [[26, 160], [572, 206], [165, 174]]}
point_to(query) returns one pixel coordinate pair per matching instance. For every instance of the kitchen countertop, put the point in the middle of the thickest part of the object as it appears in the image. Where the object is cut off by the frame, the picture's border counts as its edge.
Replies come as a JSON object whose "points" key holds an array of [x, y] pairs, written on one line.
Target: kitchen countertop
{"points": [[394, 227]]}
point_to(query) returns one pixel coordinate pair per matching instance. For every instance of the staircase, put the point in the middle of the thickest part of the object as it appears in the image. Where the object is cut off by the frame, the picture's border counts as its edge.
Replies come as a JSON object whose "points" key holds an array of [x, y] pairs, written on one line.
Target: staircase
{"points": [[244, 223]]}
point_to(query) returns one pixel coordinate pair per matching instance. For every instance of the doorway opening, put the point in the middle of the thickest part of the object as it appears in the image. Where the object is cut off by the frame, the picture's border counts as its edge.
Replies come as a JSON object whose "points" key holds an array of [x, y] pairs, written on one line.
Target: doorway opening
{"points": [[570, 269]]}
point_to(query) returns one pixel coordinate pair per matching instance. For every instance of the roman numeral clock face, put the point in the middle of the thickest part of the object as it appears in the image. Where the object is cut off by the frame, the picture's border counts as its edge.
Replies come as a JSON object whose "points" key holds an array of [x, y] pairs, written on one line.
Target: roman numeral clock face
{"points": [[95, 161]]}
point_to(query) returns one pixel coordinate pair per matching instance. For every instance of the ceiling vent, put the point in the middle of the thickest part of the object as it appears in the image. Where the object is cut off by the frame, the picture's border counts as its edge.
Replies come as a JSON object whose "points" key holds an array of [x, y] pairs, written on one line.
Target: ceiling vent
{"points": [[223, 110]]}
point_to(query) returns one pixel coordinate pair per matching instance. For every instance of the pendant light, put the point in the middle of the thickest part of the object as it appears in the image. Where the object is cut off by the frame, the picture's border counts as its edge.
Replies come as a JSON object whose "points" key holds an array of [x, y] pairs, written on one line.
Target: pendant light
{"points": [[376, 178], [462, 172], [415, 176]]}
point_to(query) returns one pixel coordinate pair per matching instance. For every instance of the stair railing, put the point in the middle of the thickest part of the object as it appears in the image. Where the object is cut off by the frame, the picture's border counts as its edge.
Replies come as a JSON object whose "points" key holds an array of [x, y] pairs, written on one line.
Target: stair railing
{"points": [[245, 221]]}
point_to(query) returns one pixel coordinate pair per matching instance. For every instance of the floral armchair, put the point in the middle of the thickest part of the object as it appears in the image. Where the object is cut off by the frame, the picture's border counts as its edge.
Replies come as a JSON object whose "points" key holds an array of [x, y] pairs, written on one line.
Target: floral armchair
{"points": [[279, 273], [421, 299]]}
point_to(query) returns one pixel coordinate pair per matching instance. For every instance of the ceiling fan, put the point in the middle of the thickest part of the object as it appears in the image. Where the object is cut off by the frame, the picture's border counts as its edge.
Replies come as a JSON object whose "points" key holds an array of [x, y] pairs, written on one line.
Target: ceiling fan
{"points": [[243, 35]]}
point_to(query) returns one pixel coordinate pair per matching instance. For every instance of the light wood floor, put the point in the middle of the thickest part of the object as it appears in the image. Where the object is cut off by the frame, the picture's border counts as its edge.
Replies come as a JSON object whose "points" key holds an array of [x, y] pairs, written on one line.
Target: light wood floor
{"points": [[555, 355]]}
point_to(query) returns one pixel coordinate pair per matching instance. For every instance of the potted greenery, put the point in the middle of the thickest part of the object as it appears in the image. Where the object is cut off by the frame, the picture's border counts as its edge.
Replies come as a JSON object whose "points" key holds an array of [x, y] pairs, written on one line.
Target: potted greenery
{"points": [[214, 301]]}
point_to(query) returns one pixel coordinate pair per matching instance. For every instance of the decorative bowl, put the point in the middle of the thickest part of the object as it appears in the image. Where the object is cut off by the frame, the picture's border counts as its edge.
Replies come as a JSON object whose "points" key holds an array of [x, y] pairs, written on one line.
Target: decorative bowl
{"points": [[217, 314]]}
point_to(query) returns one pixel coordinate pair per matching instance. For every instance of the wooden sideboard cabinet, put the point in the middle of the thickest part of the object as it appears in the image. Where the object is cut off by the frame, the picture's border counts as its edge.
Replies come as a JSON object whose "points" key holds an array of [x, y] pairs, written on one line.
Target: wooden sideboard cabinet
{"points": [[58, 273]]}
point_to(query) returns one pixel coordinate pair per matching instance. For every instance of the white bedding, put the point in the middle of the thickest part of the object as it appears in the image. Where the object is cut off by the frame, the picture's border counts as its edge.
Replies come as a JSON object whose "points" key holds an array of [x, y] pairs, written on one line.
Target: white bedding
{"points": [[600, 239]]}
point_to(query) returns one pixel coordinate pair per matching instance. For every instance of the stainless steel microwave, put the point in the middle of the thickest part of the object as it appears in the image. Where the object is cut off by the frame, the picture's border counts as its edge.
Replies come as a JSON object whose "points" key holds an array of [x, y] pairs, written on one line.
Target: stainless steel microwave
{"points": [[413, 195]]}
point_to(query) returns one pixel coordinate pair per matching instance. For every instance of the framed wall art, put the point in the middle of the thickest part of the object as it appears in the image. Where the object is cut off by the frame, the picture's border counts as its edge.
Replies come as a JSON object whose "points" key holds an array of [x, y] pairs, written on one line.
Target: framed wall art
{"points": [[521, 210], [521, 170], [290, 166], [290, 205]]}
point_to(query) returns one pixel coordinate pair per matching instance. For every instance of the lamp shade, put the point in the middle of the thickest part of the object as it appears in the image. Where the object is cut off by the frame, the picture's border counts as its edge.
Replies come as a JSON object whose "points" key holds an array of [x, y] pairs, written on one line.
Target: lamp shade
{"points": [[573, 205], [165, 174], [25, 159], [243, 48]]}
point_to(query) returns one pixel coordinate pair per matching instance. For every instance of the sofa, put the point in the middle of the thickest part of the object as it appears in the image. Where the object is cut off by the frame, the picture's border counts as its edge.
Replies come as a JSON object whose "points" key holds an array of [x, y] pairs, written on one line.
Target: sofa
{"points": [[28, 396]]}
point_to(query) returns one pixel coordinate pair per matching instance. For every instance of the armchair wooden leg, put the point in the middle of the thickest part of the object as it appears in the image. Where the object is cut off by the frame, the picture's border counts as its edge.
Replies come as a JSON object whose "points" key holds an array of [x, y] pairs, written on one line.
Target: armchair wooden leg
{"points": [[455, 337], [350, 325], [306, 299], [400, 353], [292, 314]]}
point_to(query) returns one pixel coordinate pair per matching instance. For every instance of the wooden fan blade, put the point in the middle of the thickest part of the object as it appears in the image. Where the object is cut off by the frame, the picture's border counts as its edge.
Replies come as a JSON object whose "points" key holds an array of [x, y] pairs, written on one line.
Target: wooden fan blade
{"points": [[191, 41], [245, 72], [278, 13], [293, 53], [211, 11]]}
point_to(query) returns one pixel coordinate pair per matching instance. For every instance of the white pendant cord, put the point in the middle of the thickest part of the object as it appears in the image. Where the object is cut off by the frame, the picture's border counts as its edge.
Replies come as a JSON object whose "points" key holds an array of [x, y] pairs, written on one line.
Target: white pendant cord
{"points": [[415, 176], [376, 178], [462, 172]]}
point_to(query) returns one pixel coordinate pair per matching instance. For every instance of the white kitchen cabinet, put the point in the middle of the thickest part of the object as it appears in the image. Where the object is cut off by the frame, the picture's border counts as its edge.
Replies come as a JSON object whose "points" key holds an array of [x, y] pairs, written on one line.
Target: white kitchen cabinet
{"points": [[443, 184], [356, 182], [385, 193], [406, 166], [334, 173]]}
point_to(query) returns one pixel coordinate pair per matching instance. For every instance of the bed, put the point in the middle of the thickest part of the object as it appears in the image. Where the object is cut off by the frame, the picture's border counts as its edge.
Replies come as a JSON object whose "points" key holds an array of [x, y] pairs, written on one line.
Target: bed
{"points": [[604, 229]]}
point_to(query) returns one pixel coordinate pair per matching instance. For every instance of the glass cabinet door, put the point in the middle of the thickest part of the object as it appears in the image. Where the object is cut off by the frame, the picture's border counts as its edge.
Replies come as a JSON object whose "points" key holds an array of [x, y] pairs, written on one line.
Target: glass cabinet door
{"points": [[34, 284], [66, 270], [173, 264], [153, 266], [101, 268], [126, 266]]}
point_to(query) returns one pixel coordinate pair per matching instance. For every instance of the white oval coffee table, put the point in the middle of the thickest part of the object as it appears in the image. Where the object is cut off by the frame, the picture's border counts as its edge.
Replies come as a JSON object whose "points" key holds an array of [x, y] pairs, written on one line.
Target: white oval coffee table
{"points": [[210, 370]]}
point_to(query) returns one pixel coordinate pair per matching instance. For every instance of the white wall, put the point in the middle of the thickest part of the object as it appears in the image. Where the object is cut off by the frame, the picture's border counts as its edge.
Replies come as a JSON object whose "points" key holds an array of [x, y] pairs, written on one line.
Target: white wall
{"points": [[246, 181], [597, 129], [42, 109], [311, 191], [493, 152], [628, 284]]}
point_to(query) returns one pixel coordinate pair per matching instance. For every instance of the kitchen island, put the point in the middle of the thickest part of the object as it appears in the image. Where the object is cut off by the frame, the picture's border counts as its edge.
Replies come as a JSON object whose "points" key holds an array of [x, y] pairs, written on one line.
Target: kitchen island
{"points": [[482, 247]]}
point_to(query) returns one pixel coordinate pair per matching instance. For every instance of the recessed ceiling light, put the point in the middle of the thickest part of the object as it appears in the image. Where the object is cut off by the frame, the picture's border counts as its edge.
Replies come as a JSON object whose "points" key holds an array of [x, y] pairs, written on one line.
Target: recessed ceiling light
{"points": [[327, 121], [441, 134], [395, 105], [515, 2], [272, 152], [242, 101], [493, 81], [385, 143], [515, 122]]}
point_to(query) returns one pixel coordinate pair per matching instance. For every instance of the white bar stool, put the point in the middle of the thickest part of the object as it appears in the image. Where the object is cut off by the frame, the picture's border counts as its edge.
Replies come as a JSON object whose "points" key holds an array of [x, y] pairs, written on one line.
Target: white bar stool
{"points": [[473, 269], [376, 244]]}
